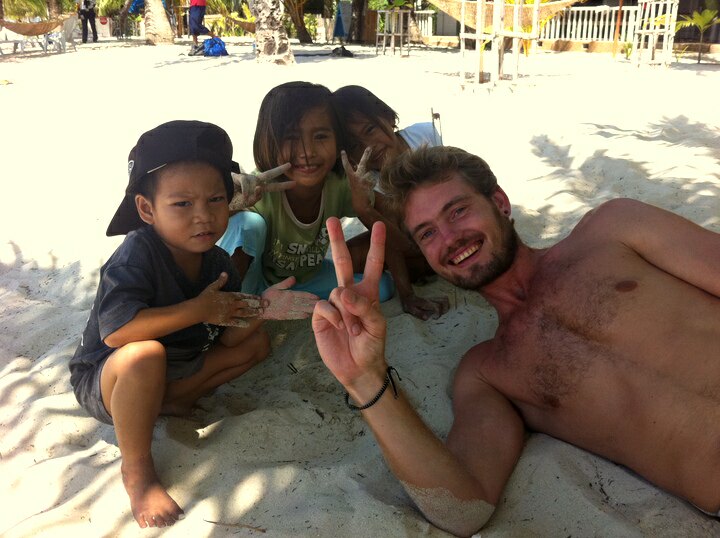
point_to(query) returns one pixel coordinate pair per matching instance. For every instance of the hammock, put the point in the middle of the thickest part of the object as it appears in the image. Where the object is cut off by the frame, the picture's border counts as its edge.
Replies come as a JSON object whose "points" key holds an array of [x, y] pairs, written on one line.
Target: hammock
{"points": [[547, 11], [32, 29]]}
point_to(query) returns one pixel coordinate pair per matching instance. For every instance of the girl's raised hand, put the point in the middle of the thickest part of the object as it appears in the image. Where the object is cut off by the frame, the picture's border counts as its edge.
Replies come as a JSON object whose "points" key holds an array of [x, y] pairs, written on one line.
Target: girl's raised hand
{"points": [[361, 180], [249, 188]]}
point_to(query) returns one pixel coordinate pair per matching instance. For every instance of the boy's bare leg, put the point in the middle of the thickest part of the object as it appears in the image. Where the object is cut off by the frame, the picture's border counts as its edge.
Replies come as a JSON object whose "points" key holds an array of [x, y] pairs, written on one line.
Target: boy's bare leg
{"points": [[222, 364], [133, 387]]}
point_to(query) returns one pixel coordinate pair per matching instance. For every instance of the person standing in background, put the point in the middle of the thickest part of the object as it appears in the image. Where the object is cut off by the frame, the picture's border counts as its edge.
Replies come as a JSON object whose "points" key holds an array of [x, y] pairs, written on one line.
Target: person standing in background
{"points": [[196, 20], [86, 12]]}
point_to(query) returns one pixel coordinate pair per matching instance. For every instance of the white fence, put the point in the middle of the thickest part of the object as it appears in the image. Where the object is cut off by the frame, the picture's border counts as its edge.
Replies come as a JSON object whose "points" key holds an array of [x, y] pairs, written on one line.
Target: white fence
{"points": [[582, 24], [425, 21], [587, 24]]}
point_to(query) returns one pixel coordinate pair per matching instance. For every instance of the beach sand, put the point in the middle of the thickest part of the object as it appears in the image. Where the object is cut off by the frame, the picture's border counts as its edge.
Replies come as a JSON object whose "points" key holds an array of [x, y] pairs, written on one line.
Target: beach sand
{"points": [[276, 453]]}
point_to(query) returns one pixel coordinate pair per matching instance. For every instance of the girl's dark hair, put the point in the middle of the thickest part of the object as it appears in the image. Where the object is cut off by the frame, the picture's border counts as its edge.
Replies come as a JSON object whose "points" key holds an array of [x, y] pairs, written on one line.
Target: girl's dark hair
{"points": [[355, 103], [281, 111]]}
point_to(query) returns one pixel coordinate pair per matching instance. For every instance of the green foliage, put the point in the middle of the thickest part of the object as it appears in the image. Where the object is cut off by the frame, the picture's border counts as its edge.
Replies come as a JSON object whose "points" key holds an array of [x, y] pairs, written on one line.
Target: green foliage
{"points": [[25, 9], [680, 53], [110, 8], [389, 4], [627, 49], [311, 24], [702, 21]]}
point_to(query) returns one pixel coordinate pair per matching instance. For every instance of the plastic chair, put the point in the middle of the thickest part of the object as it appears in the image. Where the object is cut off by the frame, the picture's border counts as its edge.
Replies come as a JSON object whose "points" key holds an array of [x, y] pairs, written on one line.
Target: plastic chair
{"points": [[64, 36]]}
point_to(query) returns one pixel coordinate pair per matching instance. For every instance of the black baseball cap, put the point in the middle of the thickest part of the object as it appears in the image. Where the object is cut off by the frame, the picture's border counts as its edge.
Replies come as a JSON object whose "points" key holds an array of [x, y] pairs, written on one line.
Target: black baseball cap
{"points": [[178, 140]]}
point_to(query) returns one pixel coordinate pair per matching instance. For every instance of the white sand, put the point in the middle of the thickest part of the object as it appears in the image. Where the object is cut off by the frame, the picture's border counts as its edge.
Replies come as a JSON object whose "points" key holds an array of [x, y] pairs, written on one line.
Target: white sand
{"points": [[278, 450]]}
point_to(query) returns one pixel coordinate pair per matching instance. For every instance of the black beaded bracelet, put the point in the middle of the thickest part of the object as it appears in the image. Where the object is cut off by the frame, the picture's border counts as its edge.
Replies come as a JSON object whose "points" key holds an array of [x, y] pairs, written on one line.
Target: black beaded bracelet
{"points": [[388, 381]]}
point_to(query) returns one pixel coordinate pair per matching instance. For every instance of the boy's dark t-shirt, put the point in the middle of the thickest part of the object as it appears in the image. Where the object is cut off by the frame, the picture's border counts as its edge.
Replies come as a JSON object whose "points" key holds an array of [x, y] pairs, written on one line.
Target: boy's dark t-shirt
{"points": [[141, 273]]}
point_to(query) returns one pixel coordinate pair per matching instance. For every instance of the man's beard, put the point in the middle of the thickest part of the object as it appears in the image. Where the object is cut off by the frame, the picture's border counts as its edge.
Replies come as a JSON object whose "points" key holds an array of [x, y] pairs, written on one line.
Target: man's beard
{"points": [[482, 275]]}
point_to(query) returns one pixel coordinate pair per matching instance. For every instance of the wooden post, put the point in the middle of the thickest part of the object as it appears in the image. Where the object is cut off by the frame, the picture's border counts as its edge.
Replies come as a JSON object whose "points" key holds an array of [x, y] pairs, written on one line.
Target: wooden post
{"points": [[617, 28]]}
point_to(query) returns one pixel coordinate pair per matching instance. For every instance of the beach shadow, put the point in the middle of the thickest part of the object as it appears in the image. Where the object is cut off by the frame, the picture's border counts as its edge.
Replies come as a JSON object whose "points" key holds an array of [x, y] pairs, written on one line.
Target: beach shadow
{"points": [[677, 131], [601, 177]]}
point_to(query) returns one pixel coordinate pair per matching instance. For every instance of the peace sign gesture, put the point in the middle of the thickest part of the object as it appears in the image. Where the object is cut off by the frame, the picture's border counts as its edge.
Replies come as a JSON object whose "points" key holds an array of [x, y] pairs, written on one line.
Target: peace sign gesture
{"points": [[349, 327], [249, 188]]}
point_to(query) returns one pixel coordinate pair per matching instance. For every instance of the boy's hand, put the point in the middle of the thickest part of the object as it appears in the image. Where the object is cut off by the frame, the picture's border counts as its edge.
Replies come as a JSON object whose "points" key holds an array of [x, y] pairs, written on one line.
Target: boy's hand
{"points": [[249, 188], [362, 182], [228, 308], [279, 302]]}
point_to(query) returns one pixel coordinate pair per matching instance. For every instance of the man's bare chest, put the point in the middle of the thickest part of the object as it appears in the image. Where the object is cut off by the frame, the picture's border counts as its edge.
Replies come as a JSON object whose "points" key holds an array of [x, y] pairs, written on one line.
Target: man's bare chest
{"points": [[573, 326]]}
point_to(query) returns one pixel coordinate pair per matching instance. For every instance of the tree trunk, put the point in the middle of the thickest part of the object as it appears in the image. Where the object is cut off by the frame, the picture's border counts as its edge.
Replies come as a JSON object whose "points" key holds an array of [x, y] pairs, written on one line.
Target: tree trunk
{"points": [[295, 9], [53, 9], [414, 34], [157, 26], [273, 45], [700, 47], [355, 32], [122, 18], [2, 10]]}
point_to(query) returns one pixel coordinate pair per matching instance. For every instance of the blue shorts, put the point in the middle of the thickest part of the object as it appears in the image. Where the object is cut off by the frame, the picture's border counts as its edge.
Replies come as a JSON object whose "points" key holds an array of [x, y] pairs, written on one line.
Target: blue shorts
{"points": [[247, 231], [196, 16], [88, 393]]}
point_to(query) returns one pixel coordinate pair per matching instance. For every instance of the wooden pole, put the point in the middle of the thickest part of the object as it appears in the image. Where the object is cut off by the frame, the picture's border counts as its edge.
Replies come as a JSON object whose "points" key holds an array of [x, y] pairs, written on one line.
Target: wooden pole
{"points": [[617, 29]]}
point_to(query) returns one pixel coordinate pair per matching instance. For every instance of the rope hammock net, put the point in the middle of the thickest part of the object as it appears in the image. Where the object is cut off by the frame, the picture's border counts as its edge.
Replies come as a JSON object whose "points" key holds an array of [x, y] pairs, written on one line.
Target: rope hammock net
{"points": [[31, 29], [547, 11]]}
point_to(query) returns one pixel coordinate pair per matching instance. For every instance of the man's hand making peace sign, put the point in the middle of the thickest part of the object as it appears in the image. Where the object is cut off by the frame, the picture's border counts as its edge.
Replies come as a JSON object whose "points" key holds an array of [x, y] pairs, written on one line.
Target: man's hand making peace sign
{"points": [[349, 327]]}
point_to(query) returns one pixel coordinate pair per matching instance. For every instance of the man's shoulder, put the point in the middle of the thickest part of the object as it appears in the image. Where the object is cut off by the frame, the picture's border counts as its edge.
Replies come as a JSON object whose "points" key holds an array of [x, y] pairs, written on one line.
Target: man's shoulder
{"points": [[610, 218]]}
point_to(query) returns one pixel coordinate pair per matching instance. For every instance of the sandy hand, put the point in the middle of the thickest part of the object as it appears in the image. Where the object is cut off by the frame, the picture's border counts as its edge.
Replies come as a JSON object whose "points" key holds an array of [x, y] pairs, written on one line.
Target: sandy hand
{"points": [[249, 188], [228, 308], [361, 181], [279, 302]]}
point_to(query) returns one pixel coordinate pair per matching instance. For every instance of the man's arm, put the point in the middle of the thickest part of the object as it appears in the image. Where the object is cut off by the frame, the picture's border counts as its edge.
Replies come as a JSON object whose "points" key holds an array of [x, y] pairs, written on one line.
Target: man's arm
{"points": [[455, 486], [666, 240]]}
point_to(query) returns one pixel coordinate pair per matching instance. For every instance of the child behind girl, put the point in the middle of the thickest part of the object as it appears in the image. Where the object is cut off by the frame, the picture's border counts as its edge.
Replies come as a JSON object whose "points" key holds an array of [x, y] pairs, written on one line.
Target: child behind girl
{"points": [[368, 122], [284, 233]]}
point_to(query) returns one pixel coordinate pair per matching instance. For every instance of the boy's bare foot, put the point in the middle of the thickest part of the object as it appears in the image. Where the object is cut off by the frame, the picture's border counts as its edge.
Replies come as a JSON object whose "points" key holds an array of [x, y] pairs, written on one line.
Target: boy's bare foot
{"points": [[150, 503]]}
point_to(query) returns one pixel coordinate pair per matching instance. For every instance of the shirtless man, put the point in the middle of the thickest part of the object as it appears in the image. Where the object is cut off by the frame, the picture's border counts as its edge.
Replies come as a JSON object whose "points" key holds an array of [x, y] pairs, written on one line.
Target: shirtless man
{"points": [[609, 340]]}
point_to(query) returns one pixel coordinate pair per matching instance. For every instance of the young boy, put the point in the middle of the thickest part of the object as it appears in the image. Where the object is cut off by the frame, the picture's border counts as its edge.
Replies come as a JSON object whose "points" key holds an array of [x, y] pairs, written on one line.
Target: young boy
{"points": [[167, 325]]}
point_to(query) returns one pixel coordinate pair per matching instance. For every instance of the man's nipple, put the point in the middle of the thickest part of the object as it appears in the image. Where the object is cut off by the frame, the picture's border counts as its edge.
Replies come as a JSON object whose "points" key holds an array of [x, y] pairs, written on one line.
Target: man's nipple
{"points": [[626, 285]]}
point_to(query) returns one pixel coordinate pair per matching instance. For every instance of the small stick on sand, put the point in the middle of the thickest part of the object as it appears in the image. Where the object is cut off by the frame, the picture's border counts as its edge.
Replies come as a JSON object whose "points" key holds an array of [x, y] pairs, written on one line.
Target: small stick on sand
{"points": [[236, 525]]}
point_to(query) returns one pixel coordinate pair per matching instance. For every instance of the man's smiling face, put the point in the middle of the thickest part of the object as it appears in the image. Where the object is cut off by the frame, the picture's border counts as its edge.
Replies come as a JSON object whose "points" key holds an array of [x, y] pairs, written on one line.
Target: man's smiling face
{"points": [[463, 235]]}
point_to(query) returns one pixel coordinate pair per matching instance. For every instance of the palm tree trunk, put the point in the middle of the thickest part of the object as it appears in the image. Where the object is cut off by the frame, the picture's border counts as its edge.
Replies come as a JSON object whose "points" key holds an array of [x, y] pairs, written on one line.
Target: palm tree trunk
{"points": [[2, 10], [700, 47], [53, 9], [157, 26], [273, 45]]}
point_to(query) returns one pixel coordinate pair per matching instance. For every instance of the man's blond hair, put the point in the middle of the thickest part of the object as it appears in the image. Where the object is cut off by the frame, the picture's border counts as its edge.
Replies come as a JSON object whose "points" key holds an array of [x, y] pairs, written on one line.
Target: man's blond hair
{"points": [[428, 165]]}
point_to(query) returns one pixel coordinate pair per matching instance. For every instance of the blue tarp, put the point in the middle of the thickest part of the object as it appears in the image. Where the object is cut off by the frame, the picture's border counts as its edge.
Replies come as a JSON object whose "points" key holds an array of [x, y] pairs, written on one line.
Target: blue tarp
{"points": [[339, 30], [138, 5]]}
